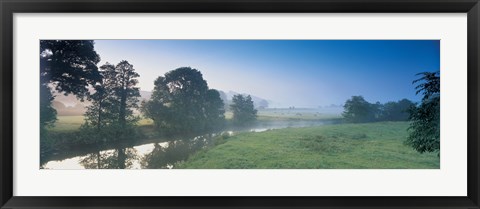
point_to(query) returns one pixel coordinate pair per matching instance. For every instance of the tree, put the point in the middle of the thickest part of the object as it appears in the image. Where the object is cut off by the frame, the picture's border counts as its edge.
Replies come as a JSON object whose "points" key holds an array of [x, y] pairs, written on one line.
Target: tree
{"points": [[110, 116], [397, 111], [158, 107], [358, 110], [47, 112], [214, 110], [243, 109], [424, 129], [188, 89], [101, 112], [181, 102], [126, 92], [69, 66], [47, 116]]}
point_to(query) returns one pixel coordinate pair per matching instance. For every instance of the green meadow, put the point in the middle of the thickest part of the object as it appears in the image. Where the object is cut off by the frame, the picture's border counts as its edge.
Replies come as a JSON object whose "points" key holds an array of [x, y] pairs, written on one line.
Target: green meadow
{"points": [[73, 123], [343, 146], [285, 104], [377, 145]]}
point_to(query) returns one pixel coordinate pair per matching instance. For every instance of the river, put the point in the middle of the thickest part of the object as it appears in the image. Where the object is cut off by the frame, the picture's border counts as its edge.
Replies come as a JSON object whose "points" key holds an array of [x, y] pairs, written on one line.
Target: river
{"points": [[160, 153]]}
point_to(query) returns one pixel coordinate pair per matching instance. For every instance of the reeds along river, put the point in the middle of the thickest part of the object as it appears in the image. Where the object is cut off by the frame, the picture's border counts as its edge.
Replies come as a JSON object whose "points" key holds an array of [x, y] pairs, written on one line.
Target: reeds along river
{"points": [[161, 153]]}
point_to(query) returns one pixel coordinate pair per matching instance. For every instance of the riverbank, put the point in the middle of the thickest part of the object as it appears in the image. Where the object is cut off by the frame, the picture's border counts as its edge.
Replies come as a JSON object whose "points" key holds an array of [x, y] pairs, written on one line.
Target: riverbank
{"points": [[65, 140], [342, 146]]}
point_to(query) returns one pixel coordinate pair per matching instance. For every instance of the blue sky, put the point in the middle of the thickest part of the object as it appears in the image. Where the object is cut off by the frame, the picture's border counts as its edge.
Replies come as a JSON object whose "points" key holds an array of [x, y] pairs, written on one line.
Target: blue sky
{"points": [[301, 73]]}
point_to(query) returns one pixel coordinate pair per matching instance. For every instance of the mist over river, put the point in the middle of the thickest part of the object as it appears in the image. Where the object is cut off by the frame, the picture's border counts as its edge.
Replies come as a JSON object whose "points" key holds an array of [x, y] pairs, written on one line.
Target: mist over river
{"points": [[158, 153]]}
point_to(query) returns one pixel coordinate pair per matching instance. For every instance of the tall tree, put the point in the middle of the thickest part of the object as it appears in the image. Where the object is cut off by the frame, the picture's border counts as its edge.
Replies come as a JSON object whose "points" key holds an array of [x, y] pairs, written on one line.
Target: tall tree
{"points": [[182, 103], [68, 67], [187, 89], [424, 128], [126, 91], [243, 109], [110, 116], [101, 112]]}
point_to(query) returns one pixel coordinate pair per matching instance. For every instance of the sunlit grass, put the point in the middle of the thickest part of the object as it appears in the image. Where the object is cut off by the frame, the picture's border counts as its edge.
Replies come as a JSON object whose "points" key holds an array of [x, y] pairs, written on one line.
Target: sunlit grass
{"points": [[67, 123], [345, 146], [73, 123]]}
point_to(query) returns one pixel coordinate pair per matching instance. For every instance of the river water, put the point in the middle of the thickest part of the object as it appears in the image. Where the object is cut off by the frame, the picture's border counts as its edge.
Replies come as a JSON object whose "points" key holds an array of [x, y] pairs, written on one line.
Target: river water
{"points": [[161, 153]]}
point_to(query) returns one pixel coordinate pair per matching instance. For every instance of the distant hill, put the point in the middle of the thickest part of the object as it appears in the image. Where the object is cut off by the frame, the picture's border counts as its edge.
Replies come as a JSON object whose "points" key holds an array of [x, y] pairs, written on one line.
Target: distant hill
{"points": [[145, 95], [68, 105]]}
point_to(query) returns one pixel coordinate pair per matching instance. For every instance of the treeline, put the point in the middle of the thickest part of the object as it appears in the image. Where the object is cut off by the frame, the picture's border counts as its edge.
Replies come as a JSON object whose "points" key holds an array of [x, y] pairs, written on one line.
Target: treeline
{"points": [[424, 130], [66, 67], [110, 116], [70, 67], [181, 103], [358, 110]]}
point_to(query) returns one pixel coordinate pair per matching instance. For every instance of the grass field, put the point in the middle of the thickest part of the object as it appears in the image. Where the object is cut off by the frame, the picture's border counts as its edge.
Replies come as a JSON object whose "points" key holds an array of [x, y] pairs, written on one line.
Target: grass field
{"points": [[344, 146], [73, 123], [295, 114]]}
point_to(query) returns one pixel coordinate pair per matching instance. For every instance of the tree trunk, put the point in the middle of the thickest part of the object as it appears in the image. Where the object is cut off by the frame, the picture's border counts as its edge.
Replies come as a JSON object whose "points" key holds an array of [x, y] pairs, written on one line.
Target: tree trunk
{"points": [[123, 106]]}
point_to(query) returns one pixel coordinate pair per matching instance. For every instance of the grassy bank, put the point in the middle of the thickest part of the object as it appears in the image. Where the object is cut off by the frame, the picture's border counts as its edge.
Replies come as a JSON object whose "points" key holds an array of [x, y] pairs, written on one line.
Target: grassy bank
{"points": [[73, 123], [373, 145], [66, 136]]}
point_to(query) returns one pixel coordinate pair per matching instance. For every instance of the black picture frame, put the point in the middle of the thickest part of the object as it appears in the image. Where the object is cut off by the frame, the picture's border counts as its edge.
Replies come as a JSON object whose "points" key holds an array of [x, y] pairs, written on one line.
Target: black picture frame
{"points": [[9, 7]]}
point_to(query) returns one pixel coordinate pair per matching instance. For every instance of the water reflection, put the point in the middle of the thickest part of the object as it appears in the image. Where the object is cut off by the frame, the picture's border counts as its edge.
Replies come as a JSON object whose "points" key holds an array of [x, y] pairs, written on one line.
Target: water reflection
{"points": [[164, 153], [150, 156], [120, 158], [173, 152]]}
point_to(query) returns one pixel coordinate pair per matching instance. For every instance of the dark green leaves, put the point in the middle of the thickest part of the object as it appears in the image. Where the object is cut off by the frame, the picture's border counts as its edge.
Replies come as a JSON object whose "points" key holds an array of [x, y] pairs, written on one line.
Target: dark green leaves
{"points": [[425, 127], [243, 110], [182, 103]]}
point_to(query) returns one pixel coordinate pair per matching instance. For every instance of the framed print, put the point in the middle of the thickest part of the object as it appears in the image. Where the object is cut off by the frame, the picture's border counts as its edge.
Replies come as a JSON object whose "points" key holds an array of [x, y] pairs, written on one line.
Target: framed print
{"points": [[239, 104]]}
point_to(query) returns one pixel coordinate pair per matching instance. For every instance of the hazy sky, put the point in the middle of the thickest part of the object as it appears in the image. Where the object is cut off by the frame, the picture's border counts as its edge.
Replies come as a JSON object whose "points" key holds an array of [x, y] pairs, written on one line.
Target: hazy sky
{"points": [[301, 73]]}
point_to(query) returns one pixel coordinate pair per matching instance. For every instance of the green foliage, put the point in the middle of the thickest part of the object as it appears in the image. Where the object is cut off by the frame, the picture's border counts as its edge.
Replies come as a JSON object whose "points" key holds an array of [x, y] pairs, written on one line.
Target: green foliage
{"points": [[358, 110], [104, 108], [126, 92], [48, 115], [110, 116], [397, 111], [344, 146], [244, 112], [182, 103], [70, 66], [214, 110], [425, 119]]}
